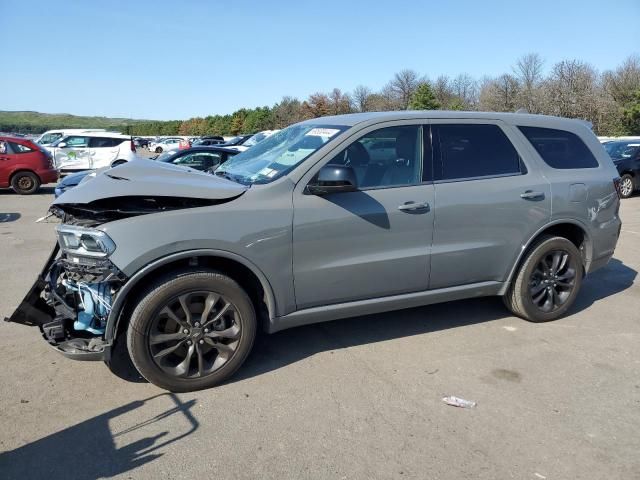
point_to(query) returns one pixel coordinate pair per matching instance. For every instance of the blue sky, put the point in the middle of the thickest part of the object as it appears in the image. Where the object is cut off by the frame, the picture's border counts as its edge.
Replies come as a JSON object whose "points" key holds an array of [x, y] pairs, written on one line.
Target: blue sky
{"points": [[174, 60]]}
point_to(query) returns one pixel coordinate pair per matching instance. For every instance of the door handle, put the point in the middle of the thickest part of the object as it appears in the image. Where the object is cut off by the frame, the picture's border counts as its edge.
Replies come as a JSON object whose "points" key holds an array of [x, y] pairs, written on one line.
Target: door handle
{"points": [[531, 195], [4, 158], [412, 206]]}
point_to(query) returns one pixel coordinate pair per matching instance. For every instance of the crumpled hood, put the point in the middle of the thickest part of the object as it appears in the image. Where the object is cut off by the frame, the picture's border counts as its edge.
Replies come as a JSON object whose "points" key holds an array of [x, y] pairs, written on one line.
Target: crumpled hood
{"points": [[143, 177]]}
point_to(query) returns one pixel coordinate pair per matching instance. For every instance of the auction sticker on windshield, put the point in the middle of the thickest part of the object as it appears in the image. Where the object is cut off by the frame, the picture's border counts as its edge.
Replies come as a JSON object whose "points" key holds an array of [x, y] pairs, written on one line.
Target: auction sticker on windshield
{"points": [[322, 132]]}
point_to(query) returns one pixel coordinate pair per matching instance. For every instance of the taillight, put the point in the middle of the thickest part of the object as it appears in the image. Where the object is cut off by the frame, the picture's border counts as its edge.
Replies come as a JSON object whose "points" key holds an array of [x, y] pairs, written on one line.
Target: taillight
{"points": [[617, 185]]}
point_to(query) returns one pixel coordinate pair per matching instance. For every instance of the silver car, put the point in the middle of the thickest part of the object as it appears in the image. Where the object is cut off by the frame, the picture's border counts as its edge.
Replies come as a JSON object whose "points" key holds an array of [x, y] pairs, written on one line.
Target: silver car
{"points": [[329, 218]]}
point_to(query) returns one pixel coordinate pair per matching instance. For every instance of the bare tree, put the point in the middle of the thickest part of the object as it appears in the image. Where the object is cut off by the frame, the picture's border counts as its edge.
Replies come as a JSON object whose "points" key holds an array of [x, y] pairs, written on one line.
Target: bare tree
{"points": [[465, 91], [443, 91], [339, 102], [360, 98], [571, 89], [624, 81], [403, 85], [500, 94], [528, 72]]}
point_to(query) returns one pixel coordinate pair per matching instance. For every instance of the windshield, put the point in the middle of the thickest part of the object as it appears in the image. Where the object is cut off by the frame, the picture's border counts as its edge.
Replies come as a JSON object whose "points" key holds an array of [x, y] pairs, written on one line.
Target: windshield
{"points": [[278, 154], [621, 150], [258, 137], [166, 156]]}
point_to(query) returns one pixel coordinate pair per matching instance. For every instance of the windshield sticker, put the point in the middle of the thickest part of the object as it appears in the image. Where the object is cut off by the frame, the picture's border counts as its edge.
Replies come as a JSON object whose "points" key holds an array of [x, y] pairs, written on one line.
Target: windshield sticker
{"points": [[267, 172], [322, 132]]}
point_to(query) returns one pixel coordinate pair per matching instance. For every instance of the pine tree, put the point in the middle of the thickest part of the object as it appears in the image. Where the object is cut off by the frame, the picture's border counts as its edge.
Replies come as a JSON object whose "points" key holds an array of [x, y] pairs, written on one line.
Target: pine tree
{"points": [[423, 98]]}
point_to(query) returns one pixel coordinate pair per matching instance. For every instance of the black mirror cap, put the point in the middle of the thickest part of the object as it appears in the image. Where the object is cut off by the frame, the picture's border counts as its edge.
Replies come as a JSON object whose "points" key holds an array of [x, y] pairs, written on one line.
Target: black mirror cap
{"points": [[333, 179]]}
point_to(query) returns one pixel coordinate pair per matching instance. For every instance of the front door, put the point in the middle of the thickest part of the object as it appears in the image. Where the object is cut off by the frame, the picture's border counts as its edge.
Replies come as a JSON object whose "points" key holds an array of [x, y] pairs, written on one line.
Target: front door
{"points": [[75, 154], [373, 242]]}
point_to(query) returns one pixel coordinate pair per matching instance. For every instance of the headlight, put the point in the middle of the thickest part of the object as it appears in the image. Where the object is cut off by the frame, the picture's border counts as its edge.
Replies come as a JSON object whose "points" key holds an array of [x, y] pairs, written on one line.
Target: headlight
{"points": [[86, 242]]}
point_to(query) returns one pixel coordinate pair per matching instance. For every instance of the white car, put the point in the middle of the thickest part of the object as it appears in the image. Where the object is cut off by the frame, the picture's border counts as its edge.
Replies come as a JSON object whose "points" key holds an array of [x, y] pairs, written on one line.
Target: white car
{"points": [[258, 137], [51, 136], [87, 151], [172, 143]]}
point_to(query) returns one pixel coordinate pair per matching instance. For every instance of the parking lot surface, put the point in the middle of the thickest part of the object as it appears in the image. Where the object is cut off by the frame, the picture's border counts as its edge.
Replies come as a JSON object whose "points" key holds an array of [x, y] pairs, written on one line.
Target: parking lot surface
{"points": [[354, 399]]}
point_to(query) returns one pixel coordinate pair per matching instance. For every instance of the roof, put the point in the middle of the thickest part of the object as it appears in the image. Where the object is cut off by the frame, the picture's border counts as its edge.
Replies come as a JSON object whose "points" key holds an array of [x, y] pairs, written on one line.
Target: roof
{"points": [[101, 134], [352, 119]]}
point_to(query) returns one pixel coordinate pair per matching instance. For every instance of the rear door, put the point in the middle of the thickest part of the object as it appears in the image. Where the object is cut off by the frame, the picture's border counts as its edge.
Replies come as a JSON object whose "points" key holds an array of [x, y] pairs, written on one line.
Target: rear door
{"points": [[75, 155], [103, 151], [490, 201]]}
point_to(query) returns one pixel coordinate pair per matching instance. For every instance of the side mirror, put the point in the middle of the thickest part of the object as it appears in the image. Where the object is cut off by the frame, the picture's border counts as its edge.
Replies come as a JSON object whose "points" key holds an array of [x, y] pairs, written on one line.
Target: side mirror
{"points": [[333, 179], [62, 144]]}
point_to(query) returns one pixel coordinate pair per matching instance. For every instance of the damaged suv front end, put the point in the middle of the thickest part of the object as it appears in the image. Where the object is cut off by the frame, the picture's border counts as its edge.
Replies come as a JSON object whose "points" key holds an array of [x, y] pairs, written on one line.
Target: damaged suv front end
{"points": [[72, 298]]}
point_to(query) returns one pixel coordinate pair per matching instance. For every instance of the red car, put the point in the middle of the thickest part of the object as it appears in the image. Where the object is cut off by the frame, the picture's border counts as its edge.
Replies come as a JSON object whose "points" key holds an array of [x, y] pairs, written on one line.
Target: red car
{"points": [[24, 165]]}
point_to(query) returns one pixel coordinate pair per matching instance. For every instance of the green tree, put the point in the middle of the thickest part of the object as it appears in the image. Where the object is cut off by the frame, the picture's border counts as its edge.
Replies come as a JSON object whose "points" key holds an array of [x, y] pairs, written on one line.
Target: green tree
{"points": [[632, 115], [423, 98]]}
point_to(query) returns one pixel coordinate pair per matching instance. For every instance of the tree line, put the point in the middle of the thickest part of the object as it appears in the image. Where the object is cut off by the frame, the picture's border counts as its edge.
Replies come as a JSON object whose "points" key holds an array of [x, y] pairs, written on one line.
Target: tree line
{"points": [[610, 100]]}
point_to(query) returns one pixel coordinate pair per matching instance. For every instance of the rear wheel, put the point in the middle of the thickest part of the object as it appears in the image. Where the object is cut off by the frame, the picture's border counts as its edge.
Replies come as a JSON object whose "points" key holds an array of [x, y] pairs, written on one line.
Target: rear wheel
{"points": [[548, 280], [626, 186], [25, 183], [192, 330], [158, 149]]}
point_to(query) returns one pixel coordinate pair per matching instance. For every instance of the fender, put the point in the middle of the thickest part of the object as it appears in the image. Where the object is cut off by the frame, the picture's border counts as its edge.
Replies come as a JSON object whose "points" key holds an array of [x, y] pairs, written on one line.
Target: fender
{"points": [[114, 316], [526, 246]]}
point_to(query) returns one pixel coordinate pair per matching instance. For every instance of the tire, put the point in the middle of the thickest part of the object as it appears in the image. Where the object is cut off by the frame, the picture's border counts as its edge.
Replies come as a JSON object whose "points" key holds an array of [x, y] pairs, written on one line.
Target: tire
{"points": [[158, 149], [529, 295], [190, 363], [25, 183], [626, 186], [118, 162]]}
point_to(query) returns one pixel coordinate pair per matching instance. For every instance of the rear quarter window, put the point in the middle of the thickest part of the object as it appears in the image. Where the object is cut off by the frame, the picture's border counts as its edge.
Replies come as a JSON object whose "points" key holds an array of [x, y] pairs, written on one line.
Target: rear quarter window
{"points": [[559, 148]]}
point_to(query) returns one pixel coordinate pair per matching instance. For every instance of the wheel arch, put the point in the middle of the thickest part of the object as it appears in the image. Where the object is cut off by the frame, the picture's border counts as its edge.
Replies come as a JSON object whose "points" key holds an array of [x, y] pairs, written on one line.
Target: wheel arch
{"points": [[247, 274], [571, 229]]}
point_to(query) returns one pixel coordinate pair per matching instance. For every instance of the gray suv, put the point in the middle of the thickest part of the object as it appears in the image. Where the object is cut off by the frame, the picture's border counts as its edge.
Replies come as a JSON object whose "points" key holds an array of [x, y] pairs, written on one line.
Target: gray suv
{"points": [[329, 218]]}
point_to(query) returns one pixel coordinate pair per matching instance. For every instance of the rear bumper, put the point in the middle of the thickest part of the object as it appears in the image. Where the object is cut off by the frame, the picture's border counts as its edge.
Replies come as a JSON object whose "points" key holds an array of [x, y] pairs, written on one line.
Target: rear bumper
{"points": [[48, 176]]}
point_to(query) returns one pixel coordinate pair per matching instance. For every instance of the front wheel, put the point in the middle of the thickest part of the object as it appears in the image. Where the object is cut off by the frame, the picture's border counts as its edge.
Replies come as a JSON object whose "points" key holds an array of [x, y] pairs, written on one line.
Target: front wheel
{"points": [[158, 149], [626, 186], [191, 330], [548, 280]]}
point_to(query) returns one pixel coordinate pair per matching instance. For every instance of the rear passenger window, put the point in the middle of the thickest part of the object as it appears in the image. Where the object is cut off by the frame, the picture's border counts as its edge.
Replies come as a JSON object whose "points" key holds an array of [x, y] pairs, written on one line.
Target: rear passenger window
{"points": [[98, 142], [559, 148], [19, 148], [468, 151]]}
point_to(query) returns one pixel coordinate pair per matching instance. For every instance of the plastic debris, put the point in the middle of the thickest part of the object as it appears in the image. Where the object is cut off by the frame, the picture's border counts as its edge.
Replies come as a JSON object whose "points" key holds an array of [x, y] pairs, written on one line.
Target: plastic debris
{"points": [[458, 402]]}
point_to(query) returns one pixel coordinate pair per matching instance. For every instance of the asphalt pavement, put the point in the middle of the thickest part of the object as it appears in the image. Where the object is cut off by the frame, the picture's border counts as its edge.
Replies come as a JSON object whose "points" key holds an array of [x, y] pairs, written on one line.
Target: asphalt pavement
{"points": [[352, 399]]}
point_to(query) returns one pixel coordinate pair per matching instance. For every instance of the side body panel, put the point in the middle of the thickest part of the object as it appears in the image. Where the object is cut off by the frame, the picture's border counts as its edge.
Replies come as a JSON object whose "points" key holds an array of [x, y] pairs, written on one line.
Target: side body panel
{"points": [[585, 196]]}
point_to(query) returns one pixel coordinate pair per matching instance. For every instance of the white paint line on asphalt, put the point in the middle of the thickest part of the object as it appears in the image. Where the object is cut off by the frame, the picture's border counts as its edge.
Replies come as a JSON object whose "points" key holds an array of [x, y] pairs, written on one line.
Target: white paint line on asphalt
{"points": [[630, 231], [510, 329]]}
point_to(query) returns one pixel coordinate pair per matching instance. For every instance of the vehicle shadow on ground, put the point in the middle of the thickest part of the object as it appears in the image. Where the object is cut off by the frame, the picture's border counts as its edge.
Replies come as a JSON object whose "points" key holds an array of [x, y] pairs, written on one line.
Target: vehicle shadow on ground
{"points": [[48, 190], [9, 217], [91, 449], [614, 278], [272, 352]]}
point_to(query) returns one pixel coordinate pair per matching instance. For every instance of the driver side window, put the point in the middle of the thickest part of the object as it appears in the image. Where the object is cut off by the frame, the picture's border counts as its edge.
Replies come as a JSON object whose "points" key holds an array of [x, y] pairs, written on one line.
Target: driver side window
{"points": [[388, 157]]}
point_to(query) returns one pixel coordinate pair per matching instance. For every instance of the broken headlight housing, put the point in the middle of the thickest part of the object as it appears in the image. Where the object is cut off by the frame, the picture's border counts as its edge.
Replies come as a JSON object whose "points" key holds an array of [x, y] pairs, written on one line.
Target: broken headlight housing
{"points": [[84, 242]]}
